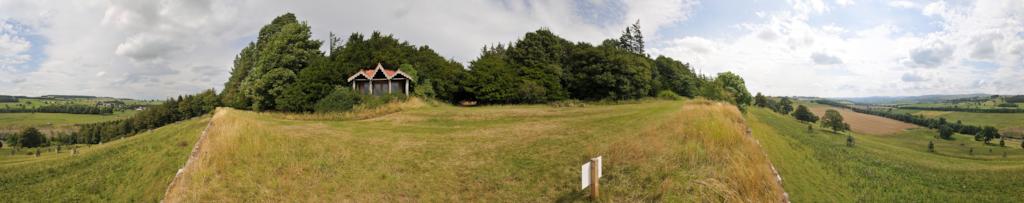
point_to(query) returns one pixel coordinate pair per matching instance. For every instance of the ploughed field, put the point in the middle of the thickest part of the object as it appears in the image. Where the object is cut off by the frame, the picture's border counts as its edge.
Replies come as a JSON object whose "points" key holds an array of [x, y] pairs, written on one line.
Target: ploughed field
{"points": [[653, 151], [818, 166], [863, 123]]}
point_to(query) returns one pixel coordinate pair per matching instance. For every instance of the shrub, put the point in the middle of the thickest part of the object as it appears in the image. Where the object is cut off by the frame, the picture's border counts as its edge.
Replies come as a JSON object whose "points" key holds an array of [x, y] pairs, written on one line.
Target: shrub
{"points": [[31, 137], [931, 146], [669, 95], [341, 99], [945, 132]]}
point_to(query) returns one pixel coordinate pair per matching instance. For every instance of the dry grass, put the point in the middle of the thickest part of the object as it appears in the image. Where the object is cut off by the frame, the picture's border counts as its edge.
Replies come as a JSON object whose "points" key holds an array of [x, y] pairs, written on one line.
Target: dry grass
{"points": [[654, 151], [357, 113], [864, 123]]}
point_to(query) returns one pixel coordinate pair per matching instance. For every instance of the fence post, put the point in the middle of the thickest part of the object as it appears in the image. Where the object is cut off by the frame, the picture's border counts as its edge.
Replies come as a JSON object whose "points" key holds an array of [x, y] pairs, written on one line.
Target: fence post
{"points": [[594, 179]]}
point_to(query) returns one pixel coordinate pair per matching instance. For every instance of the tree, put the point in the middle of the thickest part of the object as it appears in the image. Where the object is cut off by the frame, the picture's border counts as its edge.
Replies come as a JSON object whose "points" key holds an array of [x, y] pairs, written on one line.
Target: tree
{"points": [[31, 137], [538, 59], [607, 72], [670, 74], [736, 87], [945, 132], [632, 40], [931, 146], [834, 120], [283, 48], [232, 95], [849, 140], [987, 134], [785, 106], [803, 114], [760, 100]]}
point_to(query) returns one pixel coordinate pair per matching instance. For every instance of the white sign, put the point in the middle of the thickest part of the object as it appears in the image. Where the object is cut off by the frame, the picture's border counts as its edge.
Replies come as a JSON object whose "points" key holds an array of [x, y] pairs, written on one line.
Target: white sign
{"points": [[585, 175], [585, 172]]}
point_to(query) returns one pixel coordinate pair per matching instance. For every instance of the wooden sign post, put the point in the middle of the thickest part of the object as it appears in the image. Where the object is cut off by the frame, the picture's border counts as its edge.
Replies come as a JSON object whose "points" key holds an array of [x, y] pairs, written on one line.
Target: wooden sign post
{"points": [[590, 175]]}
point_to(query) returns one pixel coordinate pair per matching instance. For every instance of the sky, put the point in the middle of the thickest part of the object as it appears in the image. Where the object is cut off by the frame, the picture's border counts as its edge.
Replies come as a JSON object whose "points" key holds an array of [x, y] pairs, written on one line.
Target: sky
{"points": [[829, 48]]}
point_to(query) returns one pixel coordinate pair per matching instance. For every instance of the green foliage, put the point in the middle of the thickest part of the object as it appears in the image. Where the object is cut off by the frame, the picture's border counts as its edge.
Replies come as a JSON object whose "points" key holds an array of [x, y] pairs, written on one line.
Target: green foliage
{"points": [[834, 120], [172, 110], [283, 48], [340, 100], [786, 106], [538, 59], [31, 137], [669, 95], [945, 132], [931, 146], [494, 78], [302, 96], [232, 95], [632, 40], [736, 87], [607, 72], [671, 74], [987, 134]]}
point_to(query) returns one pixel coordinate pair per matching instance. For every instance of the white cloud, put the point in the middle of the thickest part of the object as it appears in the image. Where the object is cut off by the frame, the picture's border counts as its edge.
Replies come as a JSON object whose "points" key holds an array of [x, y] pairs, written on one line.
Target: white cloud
{"points": [[12, 47], [845, 2], [902, 4], [878, 60], [825, 59], [156, 49]]}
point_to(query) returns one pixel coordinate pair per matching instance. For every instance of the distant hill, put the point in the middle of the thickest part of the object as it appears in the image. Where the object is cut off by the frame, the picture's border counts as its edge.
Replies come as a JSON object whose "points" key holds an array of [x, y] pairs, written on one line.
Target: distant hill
{"points": [[68, 96], [909, 99]]}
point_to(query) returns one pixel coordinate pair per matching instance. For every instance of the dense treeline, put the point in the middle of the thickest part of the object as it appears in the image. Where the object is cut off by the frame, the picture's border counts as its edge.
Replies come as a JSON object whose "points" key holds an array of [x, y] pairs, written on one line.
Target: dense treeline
{"points": [[172, 110], [284, 70], [933, 123], [784, 106], [61, 108], [7, 98], [832, 103], [973, 110]]}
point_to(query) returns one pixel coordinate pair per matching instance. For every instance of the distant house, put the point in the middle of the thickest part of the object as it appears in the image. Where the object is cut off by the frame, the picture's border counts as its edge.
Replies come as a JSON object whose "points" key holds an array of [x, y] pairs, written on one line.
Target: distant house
{"points": [[380, 81]]}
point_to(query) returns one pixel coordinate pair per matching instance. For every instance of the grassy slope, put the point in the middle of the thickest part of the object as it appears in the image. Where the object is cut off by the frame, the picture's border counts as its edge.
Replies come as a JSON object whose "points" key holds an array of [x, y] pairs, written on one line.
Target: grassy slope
{"points": [[653, 151], [134, 169], [817, 166]]}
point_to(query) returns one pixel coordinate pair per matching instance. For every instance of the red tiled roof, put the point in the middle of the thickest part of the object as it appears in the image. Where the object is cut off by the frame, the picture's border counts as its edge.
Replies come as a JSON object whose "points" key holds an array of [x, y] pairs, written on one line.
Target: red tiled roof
{"points": [[387, 72], [370, 72]]}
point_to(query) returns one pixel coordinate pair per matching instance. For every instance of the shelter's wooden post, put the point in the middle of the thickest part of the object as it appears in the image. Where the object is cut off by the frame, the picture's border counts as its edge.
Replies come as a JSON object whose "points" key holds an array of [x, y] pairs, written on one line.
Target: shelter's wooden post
{"points": [[389, 86], [407, 87], [594, 179]]}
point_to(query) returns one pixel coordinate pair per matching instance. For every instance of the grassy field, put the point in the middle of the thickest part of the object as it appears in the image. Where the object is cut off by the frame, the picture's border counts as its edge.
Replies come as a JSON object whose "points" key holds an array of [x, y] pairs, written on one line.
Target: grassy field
{"points": [[32, 103], [863, 123], [654, 151], [134, 169], [51, 122], [817, 166], [1012, 123]]}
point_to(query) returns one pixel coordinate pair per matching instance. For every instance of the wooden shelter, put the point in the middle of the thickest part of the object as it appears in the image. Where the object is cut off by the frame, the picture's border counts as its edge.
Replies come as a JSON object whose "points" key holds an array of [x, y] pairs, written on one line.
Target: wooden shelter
{"points": [[379, 81]]}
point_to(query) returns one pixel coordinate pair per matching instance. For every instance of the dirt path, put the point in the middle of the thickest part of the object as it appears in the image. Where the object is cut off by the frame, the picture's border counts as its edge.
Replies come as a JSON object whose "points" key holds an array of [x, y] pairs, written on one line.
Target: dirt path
{"points": [[175, 183]]}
